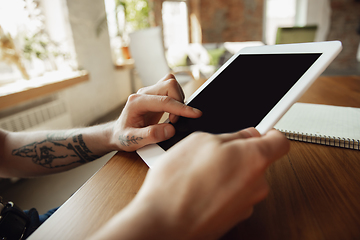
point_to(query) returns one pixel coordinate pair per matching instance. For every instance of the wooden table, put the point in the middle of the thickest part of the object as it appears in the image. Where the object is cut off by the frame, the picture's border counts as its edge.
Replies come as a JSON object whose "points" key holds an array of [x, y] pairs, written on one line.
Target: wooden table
{"points": [[315, 189]]}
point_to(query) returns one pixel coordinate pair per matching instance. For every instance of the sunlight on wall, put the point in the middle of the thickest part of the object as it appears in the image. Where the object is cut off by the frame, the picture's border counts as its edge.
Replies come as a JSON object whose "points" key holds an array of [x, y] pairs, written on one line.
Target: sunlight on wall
{"points": [[196, 36]]}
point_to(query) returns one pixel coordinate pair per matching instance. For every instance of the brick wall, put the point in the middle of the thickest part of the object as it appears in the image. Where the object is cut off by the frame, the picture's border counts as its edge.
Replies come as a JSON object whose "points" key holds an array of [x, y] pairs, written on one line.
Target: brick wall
{"points": [[231, 20], [345, 20], [223, 20]]}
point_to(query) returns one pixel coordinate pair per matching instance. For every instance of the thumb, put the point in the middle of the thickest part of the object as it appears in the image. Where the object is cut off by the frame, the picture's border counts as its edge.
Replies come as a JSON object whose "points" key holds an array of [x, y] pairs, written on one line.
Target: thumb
{"points": [[157, 133], [151, 134]]}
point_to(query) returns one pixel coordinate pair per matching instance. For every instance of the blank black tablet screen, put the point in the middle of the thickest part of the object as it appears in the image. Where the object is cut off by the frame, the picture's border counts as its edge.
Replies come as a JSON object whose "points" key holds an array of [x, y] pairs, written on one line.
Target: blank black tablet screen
{"points": [[243, 93]]}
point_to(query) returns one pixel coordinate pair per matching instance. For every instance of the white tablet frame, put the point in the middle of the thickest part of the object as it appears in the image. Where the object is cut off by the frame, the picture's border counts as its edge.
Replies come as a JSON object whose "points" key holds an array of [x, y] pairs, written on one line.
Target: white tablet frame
{"points": [[330, 49]]}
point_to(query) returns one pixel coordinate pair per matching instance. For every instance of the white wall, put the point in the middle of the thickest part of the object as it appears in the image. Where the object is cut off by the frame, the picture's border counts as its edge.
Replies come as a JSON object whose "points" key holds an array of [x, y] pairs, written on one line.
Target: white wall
{"points": [[107, 87]]}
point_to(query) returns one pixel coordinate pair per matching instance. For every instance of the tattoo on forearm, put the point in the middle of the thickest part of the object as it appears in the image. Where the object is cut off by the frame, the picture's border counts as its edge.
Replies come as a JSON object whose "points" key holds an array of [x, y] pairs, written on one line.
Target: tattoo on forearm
{"points": [[56, 152], [127, 141]]}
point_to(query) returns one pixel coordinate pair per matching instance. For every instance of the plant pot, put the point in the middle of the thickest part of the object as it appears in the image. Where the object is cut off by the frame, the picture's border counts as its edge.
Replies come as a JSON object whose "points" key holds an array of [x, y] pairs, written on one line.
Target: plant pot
{"points": [[125, 52]]}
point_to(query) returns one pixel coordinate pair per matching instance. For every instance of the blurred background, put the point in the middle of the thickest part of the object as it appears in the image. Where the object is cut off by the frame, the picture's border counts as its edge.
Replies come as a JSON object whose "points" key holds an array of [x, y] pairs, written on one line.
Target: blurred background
{"points": [[70, 63]]}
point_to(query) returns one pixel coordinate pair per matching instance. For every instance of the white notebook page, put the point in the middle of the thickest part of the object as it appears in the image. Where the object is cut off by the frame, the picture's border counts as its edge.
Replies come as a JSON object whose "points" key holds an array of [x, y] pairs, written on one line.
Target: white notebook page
{"points": [[325, 120]]}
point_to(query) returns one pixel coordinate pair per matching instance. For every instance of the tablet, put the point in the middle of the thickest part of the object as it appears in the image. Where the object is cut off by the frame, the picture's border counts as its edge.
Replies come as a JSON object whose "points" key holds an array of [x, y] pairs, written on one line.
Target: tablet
{"points": [[254, 88]]}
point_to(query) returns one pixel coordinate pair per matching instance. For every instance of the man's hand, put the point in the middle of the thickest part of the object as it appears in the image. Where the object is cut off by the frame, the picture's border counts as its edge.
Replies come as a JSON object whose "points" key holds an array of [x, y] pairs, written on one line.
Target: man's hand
{"points": [[139, 124], [202, 187], [24, 154]]}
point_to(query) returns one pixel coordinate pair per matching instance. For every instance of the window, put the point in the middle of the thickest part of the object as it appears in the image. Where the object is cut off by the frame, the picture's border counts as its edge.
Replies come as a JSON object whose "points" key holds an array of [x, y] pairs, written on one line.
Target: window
{"points": [[40, 48], [176, 32], [175, 23], [13, 18], [279, 13], [115, 17]]}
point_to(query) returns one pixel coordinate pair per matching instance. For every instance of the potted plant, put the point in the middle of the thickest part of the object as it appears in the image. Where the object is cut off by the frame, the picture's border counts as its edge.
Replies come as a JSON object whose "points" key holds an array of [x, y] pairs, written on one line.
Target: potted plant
{"points": [[121, 31], [136, 16], [121, 34]]}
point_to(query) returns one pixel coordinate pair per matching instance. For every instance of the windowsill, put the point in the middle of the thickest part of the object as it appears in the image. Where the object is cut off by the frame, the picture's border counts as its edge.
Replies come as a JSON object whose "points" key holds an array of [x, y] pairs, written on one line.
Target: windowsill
{"points": [[24, 90], [126, 64]]}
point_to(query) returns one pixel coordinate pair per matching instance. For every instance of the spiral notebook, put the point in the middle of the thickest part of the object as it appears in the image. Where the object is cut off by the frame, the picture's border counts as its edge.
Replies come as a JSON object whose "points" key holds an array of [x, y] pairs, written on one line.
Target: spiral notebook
{"points": [[322, 124]]}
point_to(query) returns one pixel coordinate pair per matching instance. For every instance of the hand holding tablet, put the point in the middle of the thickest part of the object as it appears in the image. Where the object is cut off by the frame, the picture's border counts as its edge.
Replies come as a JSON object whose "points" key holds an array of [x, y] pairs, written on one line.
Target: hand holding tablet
{"points": [[138, 125], [254, 88], [206, 184], [203, 192]]}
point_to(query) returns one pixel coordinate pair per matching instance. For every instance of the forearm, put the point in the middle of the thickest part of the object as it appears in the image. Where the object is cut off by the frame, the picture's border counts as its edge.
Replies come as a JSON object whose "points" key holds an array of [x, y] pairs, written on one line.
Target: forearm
{"points": [[25, 154]]}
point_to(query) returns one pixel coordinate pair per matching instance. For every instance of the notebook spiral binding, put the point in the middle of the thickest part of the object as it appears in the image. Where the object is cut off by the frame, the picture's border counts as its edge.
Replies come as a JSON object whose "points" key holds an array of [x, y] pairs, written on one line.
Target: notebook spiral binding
{"points": [[323, 140]]}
